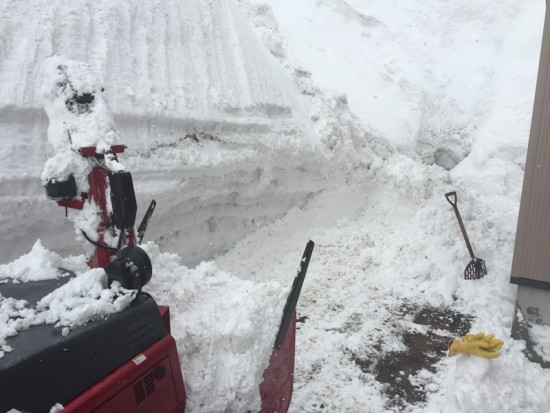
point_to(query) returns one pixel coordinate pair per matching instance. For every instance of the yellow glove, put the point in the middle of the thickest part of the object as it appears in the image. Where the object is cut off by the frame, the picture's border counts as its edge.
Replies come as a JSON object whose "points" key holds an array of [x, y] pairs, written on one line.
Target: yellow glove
{"points": [[478, 344]]}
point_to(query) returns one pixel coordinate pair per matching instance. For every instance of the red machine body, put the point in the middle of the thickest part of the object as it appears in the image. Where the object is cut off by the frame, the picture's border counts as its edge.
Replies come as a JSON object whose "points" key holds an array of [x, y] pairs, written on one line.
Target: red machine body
{"points": [[276, 389], [150, 382]]}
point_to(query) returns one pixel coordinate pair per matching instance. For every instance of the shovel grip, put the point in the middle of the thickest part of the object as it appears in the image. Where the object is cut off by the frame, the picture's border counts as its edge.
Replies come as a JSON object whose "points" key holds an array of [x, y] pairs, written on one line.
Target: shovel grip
{"points": [[452, 194]]}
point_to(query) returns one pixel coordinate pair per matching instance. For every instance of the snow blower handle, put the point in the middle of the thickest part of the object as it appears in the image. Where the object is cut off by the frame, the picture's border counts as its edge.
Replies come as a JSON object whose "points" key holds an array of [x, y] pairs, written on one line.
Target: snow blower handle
{"points": [[453, 202], [145, 221]]}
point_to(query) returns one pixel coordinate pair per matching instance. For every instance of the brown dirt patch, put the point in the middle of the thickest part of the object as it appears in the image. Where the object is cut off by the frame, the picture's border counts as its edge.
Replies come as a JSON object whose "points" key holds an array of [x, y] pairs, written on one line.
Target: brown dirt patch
{"points": [[396, 368]]}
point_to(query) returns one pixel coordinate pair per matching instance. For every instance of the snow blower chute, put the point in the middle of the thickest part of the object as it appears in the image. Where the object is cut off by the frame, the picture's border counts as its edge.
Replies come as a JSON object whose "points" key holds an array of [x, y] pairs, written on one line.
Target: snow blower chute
{"points": [[128, 362]]}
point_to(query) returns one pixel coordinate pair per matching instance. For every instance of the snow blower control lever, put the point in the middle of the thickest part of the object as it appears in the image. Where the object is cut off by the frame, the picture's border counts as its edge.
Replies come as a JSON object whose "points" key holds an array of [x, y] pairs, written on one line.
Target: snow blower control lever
{"points": [[145, 221]]}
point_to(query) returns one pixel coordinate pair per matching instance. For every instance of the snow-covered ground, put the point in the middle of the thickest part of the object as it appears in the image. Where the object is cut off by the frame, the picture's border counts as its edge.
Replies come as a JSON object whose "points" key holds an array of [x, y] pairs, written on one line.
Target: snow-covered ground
{"points": [[257, 125]]}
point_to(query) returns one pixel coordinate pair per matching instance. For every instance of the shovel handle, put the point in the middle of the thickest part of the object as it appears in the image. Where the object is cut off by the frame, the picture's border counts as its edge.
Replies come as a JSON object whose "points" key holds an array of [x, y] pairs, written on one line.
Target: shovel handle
{"points": [[454, 202]]}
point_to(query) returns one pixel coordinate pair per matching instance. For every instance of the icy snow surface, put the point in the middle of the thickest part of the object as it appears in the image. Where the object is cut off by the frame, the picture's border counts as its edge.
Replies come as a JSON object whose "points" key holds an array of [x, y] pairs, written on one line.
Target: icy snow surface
{"points": [[257, 125]]}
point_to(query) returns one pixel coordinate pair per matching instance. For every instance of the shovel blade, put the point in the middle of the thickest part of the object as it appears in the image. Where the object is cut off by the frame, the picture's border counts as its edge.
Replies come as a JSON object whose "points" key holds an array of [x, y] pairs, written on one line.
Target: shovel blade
{"points": [[475, 270]]}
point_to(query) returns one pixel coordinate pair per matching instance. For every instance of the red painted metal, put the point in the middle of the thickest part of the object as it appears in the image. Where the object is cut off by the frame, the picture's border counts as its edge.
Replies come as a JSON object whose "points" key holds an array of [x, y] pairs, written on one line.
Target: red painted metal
{"points": [[165, 315], [98, 180], [276, 389], [131, 236], [151, 382], [91, 150], [98, 193], [72, 203]]}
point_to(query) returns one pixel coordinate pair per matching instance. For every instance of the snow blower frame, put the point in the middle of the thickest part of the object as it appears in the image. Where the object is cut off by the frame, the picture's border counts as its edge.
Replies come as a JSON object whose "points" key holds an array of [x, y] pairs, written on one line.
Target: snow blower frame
{"points": [[128, 362], [151, 380]]}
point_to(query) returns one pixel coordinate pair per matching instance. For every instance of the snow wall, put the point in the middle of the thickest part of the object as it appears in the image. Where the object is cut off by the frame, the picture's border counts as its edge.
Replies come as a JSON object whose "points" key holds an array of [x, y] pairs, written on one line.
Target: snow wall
{"points": [[214, 125]]}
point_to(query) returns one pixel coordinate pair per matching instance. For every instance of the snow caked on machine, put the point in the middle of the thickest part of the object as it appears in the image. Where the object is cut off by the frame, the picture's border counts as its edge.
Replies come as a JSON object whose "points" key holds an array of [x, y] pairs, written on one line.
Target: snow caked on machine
{"points": [[127, 362]]}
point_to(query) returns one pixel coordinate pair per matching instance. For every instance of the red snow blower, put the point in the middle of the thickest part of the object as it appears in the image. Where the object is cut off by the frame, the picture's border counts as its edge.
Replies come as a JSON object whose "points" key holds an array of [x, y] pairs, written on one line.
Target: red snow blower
{"points": [[127, 362]]}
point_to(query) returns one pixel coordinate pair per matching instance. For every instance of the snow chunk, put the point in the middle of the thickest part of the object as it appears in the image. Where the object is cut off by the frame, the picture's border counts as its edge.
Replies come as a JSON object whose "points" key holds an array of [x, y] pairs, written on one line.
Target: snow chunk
{"points": [[38, 264], [58, 408], [80, 300], [83, 299], [78, 114]]}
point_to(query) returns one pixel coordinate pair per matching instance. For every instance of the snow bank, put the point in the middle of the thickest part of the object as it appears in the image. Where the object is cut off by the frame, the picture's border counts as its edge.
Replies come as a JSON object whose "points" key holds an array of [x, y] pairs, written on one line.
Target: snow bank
{"points": [[255, 149], [438, 81], [191, 60], [203, 99]]}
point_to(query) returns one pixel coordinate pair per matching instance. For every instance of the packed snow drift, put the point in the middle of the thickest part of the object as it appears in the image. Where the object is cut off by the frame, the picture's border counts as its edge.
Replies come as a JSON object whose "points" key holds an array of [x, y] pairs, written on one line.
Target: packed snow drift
{"points": [[257, 125]]}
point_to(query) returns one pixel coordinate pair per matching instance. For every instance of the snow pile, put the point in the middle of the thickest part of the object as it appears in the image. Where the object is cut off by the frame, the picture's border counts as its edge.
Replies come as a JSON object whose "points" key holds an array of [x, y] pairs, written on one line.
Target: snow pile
{"points": [[434, 81], [250, 150], [225, 329], [477, 382], [80, 300], [38, 264], [78, 117], [78, 114], [12, 311]]}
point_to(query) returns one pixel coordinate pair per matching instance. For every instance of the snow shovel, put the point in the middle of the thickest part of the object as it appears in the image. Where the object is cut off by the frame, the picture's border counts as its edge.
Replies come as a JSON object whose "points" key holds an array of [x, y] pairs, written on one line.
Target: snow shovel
{"points": [[476, 268]]}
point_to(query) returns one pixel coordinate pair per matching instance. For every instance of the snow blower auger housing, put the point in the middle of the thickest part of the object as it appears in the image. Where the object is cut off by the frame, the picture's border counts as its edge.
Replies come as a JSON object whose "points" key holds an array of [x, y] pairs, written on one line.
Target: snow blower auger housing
{"points": [[127, 362]]}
